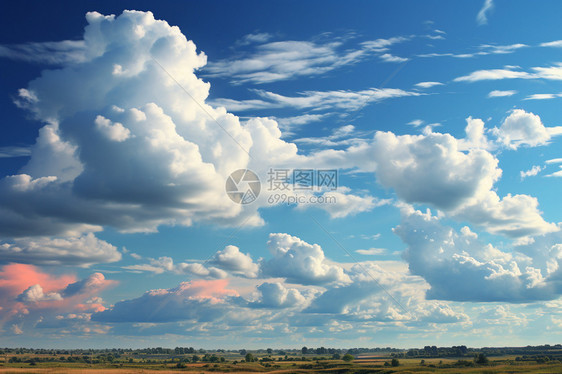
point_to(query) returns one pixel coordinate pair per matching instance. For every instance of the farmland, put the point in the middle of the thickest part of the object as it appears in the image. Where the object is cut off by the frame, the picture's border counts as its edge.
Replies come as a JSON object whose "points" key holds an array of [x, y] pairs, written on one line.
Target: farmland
{"points": [[543, 359]]}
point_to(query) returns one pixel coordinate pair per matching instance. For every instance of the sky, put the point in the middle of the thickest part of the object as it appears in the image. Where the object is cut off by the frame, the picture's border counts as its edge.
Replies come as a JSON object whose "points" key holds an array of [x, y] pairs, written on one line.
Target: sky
{"points": [[279, 174]]}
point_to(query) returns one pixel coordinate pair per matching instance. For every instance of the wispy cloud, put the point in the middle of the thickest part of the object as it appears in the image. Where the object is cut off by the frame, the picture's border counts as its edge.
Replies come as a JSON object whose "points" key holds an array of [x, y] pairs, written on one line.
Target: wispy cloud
{"points": [[546, 96], [371, 251], [9, 152], [428, 84], [63, 52], [254, 38], [481, 50], [315, 100], [556, 44], [498, 93], [482, 16], [282, 60], [510, 72]]}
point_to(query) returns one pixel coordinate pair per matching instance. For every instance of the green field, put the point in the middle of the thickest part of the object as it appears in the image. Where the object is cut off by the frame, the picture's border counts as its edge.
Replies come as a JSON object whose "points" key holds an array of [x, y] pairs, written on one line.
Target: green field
{"points": [[230, 363]]}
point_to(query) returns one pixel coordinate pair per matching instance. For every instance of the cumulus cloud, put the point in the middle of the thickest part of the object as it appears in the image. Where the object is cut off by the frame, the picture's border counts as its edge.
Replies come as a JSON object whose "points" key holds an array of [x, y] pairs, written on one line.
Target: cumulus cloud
{"points": [[300, 262], [35, 293], [236, 262], [84, 250], [166, 155], [523, 128], [30, 297], [198, 301], [166, 264], [536, 169], [459, 267], [276, 295]]}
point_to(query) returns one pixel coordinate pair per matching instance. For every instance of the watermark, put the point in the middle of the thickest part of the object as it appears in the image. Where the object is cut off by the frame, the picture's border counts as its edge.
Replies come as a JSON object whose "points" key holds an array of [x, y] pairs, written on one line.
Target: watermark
{"points": [[243, 186], [283, 198], [290, 186]]}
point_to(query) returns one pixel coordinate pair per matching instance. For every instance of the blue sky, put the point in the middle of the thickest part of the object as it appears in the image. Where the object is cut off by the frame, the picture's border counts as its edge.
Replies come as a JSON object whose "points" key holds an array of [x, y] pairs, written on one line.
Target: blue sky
{"points": [[122, 123]]}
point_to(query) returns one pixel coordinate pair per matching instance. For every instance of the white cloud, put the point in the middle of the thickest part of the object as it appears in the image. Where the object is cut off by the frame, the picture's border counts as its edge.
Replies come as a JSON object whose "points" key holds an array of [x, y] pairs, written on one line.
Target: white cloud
{"points": [[554, 161], [387, 57], [428, 84], [63, 52], [276, 295], [300, 262], [14, 151], [85, 250], [542, 96], [482, 16], [536, 169], [260, 37], [315, 100], [498, 93], [371, 251], [35, 294], [509, 72], [416, 122], [236, 262], [494, 74], [342, 203], [459, 267], [522, 128], [196, 300], [556, 43], [282, 60]]}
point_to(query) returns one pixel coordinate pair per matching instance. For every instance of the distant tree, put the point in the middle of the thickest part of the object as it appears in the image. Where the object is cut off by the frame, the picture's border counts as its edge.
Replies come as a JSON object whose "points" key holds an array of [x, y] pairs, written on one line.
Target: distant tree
{"points": [[249, 357], [242, 352], [336, 356], [481, 359], [304, 350], [394, 362], [347, 357], [269, 351], [195, 358]]}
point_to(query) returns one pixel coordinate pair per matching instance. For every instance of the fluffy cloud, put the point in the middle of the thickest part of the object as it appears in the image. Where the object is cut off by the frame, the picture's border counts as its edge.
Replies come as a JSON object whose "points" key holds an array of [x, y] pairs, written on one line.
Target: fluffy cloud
{"points": [[30, 297], [300, 262], [164, 155], [459, 267], [196, 300], [35, 293], [83, 251], [276, 295], [521, 128], [238, 263], [431, 169]]}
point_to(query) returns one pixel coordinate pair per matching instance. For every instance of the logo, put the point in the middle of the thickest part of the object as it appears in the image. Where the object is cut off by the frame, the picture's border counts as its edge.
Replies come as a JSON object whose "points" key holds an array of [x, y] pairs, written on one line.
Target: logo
{"points": [[243, 186]]}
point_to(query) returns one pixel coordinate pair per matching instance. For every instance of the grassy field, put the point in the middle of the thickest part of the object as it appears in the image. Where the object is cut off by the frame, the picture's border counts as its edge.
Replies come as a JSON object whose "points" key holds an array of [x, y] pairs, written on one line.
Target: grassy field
{"points": [[362, 364]]}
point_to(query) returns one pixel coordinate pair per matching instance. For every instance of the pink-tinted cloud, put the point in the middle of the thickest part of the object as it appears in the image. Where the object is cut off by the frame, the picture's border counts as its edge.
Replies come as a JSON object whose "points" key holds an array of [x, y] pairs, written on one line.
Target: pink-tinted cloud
{"points": [[16, 278], [214, 290]]}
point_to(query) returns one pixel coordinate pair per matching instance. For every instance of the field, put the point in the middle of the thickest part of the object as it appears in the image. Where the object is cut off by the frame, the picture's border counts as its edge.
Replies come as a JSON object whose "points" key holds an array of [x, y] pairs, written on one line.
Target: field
{"points": [[230, 363]]}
